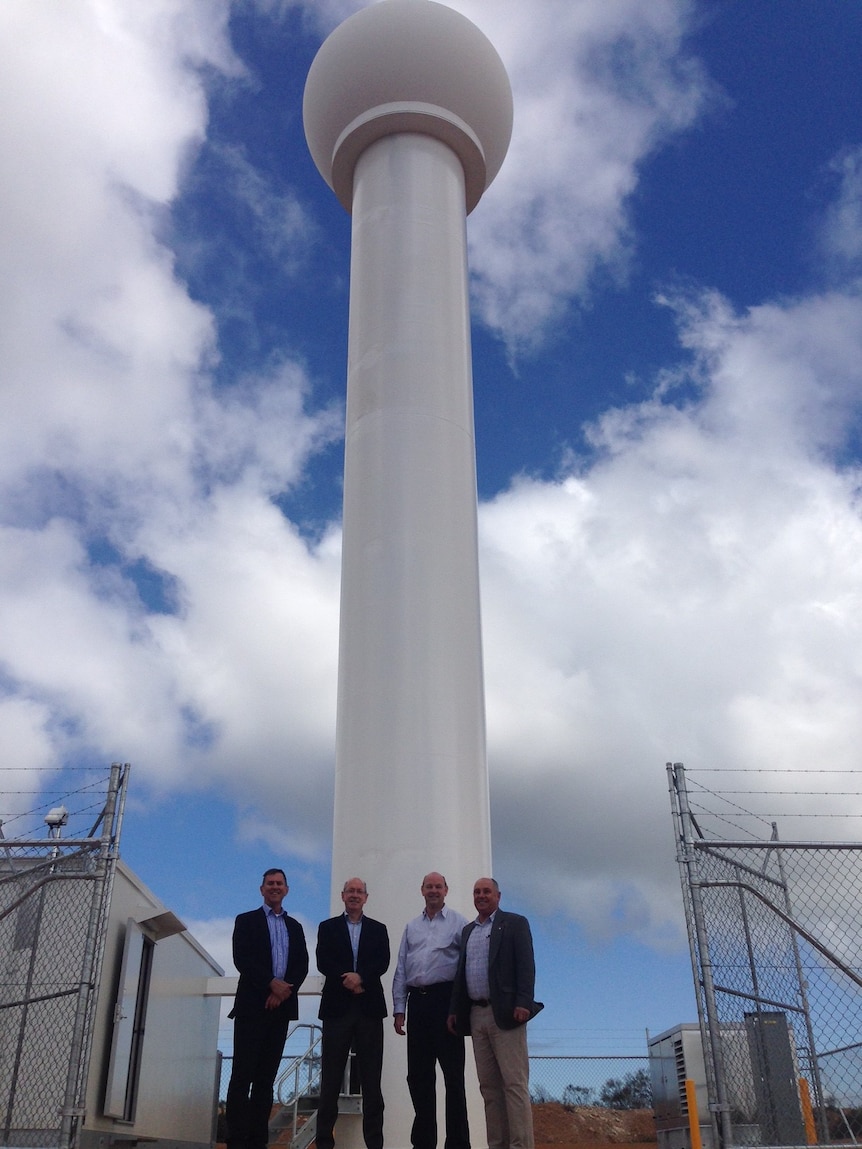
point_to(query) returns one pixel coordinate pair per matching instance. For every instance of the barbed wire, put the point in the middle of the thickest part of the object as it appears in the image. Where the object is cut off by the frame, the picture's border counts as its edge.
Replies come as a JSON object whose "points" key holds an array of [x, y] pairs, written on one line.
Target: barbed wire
{"points": [[703, 812], [728, 812], [50, 769], [767, 770], [796, 793], [59, 795]]}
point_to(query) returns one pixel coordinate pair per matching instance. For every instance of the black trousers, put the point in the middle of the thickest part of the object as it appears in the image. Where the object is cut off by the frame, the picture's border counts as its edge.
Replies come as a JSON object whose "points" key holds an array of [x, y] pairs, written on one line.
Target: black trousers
{"points": [[430, 1042], [365, 1036], [258, 1043]]}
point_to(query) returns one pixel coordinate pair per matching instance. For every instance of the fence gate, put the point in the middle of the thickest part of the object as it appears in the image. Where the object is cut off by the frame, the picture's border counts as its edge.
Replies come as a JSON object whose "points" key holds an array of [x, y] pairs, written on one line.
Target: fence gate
{"points": [[776, 945], [54, 897]]}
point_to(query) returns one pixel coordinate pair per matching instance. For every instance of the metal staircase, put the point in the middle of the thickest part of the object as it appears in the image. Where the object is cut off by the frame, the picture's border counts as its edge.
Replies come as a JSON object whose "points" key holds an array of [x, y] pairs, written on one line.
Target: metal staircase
{"points": [[297, 1091]]}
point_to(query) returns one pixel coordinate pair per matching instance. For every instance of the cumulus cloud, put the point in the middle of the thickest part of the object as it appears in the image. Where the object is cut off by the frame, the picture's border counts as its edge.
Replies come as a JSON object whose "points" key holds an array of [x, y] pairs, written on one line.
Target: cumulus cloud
{"points": [[689, 590], [138, 499], [841, 233], [598, 88], [99, 337], [693, 593], [214, 934]]}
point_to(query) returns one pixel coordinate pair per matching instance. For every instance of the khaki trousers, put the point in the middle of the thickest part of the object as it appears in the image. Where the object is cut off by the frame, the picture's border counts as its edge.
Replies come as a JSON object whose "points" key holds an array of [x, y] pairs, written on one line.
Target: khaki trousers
{"points": [[503, 1069]]}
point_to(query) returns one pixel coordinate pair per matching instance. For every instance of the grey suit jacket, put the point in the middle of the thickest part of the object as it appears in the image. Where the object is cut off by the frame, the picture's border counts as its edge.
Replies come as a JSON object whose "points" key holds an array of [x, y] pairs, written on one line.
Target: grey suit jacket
{"points": [[511, 972]]}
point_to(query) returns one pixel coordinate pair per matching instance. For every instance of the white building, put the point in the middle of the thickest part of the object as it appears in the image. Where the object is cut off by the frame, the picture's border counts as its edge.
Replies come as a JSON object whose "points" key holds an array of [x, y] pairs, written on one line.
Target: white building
{"points": [[108, 1033]]}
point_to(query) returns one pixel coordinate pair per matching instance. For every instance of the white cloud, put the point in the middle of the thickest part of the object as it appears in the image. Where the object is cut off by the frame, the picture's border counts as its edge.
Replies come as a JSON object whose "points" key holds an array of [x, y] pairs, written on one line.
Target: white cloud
{"points": [[283, 229], [99, 339], [598, 88], [254, 650], [692, 592], [26, 750], [841, 234], [115, 451], [77, 643], [215, 934]]}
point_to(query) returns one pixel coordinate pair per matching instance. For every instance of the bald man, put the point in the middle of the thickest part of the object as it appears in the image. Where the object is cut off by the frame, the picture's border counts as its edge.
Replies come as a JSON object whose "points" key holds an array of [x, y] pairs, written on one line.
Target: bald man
{"points": [[352, 955], [492, 1001]]}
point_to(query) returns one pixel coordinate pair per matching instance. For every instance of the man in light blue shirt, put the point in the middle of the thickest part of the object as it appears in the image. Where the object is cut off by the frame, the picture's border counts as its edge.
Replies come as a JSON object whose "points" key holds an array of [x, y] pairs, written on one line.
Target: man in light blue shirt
{"points": [[493, 1001], [270, 953], [421, 989]]}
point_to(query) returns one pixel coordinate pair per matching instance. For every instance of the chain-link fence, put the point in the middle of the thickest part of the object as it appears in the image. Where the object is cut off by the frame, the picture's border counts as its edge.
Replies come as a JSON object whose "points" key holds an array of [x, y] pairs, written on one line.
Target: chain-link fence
{"points": [[615, 1081], [54, 892], [777, 958]]}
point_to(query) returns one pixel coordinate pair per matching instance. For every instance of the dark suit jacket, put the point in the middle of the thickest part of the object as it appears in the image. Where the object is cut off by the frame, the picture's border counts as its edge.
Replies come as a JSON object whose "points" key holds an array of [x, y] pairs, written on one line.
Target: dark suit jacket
{"points": [[252, 956], [511, 972], [335, 957]]}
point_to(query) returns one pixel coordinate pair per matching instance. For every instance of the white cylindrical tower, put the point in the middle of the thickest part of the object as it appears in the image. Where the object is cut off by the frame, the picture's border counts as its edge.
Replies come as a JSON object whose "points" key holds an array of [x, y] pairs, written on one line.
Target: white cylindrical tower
{"points": [[408, 114]]}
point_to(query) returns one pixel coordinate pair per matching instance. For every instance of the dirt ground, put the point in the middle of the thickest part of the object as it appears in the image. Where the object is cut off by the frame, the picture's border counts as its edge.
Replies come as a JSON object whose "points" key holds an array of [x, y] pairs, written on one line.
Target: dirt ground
{"points": [[589, 1127]]}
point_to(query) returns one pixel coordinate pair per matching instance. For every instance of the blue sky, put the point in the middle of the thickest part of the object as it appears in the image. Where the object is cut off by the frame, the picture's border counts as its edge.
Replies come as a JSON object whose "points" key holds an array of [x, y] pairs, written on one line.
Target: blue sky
{"points": [[668, 360]]}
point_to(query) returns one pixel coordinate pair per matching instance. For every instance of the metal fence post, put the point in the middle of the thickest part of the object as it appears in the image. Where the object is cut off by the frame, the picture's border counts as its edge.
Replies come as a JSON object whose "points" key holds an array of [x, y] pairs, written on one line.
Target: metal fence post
{"points": [[104, 865], [708, 1015]]}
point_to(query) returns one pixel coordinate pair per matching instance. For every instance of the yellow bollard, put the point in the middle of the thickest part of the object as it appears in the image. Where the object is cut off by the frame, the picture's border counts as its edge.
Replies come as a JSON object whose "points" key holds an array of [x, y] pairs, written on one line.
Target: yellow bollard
{"points": [[693, 1123], [807, 1111]]}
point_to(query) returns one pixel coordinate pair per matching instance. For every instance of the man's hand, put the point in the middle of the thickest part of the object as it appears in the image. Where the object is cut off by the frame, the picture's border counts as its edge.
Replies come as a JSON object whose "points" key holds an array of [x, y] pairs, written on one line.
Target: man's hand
{"points": [[398, 1020], [279, 991], [353, 982], [521, 1014], [452, 1023]]}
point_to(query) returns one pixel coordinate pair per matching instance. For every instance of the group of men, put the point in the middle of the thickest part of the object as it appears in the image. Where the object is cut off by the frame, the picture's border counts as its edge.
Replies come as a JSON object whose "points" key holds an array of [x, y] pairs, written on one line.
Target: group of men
{"points": [[452, 978]]}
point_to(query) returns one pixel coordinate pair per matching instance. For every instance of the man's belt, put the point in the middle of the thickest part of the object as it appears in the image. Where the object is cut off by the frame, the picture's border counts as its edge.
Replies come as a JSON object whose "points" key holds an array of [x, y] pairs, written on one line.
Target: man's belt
{"points": [[435, 987], [479, 1001]]}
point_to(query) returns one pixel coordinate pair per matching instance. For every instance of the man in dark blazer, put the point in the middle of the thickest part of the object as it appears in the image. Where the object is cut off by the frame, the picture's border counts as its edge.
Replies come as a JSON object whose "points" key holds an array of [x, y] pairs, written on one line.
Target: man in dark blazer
{"points": [[352, 955], [492, 1000], [270, 953]]}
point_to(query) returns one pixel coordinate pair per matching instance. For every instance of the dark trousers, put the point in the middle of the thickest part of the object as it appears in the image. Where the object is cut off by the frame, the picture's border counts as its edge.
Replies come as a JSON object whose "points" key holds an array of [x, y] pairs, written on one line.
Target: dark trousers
{"points": [[258, 1043], [365, 1036], [429, 1042]]}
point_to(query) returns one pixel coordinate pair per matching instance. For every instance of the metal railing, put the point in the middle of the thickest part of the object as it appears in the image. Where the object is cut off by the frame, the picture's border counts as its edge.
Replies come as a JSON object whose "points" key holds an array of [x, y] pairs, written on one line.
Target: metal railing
{"points": [[297, 1087], [300, 1077], [298, 1080], [603, 1080]]}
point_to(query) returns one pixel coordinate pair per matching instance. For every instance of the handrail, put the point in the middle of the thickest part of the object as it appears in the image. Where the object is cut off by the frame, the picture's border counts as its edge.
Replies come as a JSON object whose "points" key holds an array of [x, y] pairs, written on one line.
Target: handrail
{"points": [[294, 1070], [315, 1036]]}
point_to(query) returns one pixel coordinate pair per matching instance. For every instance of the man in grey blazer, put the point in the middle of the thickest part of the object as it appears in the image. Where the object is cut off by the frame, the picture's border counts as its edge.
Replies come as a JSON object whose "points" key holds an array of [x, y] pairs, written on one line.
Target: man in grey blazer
{"points": [[492, 1000]]}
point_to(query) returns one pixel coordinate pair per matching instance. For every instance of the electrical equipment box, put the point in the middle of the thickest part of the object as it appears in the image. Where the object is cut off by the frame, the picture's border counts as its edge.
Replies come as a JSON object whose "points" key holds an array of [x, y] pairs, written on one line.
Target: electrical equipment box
{"points": [[761, 1083], [674, 1057]]}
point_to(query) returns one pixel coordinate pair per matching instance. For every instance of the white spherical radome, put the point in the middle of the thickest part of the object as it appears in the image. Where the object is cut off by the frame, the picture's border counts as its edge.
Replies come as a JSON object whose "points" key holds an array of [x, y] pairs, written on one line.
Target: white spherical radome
{"points": [[407, 66]]}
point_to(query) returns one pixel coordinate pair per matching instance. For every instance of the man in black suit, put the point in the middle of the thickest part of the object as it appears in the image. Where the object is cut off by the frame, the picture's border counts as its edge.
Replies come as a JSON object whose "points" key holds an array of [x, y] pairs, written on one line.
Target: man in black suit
{"points": [[352, 955], [492, 1000], [270, 953]]}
